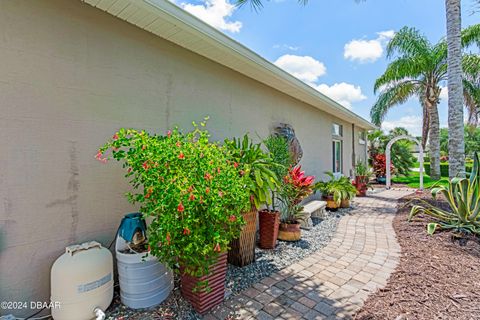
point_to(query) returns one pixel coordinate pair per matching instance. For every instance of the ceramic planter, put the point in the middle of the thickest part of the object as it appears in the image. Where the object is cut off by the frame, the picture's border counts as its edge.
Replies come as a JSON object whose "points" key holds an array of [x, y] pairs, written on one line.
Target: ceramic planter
{"points": [[269, 223], [345, 203], [361, 185], [289, 232], [201, 297], [331, 204], [242, 250]]}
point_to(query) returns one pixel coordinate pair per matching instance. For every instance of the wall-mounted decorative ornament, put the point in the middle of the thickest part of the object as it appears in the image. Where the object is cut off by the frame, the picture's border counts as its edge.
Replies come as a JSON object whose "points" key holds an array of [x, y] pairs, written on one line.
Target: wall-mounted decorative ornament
{"points": [[286, 130]]}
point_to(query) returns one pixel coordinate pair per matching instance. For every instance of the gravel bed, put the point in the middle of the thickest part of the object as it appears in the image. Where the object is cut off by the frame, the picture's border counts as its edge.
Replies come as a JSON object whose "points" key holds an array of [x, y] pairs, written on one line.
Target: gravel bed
{"points": [[266, 263]]}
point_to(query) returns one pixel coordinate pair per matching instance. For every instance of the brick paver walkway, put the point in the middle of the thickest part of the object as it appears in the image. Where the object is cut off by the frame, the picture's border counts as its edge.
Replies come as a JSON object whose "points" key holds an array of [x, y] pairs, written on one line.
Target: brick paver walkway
{"points": [[334, 282]]}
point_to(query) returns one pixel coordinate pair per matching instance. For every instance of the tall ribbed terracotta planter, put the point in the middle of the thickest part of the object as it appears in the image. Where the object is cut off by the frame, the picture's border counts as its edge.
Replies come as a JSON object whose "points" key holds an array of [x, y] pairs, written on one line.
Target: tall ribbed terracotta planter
{"points": [[269, 222], [205, 297], [242, 250]]}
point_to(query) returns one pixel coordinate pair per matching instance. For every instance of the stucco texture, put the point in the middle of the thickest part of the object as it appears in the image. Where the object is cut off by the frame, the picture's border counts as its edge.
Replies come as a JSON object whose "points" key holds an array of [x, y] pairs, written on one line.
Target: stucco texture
{"points": [[70, 76]]}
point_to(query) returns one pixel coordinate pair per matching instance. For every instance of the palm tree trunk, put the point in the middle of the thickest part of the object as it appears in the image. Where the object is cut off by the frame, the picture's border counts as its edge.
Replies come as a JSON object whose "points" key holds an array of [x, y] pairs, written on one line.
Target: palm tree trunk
{"points": [[425, 125], [456, 142], [434, 142]]}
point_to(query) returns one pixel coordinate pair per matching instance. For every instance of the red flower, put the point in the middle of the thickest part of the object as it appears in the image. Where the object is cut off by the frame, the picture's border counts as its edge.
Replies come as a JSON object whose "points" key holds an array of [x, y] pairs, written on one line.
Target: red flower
{"points": [[178, 144], [218, 170], [190, 189], [144, 147], [235, 164], [180, 207], [129, 170], [168, 238], [169, 133], [220, 194], [145, 165], [191, 197], [242, 172], [232, 218], [115, 137], [186, 231], [217, 248], [149, 192], [98, 155], [207, 190], [208, 176], [181, 156]]}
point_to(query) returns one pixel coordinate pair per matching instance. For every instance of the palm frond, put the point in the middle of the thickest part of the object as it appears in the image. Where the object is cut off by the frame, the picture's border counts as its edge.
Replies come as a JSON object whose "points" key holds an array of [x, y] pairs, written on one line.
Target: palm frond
{"points": [[397, 94], [400, 69], [258, 4], [408, 42], [471, 36]]}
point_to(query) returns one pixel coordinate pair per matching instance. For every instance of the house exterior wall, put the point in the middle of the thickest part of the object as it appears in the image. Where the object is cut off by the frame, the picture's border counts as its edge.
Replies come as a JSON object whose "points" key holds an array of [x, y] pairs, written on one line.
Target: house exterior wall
{"points": [[70, 77]]}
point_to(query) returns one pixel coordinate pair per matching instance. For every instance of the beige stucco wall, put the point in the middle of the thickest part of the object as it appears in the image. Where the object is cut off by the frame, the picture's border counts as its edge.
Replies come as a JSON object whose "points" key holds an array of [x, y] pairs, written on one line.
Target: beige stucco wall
{"points": [[70, 76]]}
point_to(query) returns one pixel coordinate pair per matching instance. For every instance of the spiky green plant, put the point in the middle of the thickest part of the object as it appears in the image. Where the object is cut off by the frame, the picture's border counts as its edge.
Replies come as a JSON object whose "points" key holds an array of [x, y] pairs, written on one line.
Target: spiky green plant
{"points": [[463, 197]]}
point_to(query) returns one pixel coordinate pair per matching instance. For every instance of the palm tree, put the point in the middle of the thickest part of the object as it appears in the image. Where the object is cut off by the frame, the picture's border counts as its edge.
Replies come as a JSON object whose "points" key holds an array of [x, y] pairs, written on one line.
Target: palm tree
{"points": [[417, 70], [471, 88], [456, 141]]}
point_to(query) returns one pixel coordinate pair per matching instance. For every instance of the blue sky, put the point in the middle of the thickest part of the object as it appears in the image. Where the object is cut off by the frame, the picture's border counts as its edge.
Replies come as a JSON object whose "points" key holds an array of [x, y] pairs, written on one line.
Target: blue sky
{"points": [[335, 46]]}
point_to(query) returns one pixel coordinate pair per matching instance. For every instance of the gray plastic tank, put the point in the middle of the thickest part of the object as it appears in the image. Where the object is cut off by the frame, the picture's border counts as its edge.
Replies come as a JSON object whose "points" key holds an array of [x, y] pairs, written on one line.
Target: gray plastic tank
{"points": [[144, 282]]}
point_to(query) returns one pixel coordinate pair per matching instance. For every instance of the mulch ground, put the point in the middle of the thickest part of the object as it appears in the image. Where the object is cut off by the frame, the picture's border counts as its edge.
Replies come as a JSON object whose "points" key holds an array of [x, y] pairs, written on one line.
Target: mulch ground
{"points": [[438, 276]]}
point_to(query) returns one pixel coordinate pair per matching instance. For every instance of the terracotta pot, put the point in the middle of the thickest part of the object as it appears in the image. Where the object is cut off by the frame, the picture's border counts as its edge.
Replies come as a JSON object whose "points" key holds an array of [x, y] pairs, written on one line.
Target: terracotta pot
{"points": [[204, 297], [361, 185], [345, 203], [331, 204], [289, 232], [242, 250], [269, 223]]}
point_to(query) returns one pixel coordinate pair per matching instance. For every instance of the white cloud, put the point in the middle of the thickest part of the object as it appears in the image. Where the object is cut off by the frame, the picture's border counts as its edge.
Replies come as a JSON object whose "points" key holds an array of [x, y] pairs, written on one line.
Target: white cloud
{"points": [[304, 68], [343, 93], [444, 93], [286, 47], [412, 123], [367, 50], [216, 13]]}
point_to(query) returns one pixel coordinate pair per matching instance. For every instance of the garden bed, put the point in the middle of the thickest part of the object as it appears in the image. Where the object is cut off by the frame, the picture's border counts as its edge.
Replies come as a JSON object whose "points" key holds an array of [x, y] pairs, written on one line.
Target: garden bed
{"points": [[437, 277], [266, 263]]}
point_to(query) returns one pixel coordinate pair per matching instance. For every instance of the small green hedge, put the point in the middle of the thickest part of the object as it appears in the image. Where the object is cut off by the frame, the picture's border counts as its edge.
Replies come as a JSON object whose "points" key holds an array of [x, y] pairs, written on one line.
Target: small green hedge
{"points": [[444, 168]]}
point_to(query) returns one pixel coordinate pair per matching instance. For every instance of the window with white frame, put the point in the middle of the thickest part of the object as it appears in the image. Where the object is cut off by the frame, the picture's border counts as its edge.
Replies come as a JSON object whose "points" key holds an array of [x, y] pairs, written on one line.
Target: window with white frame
{"points": [[361, 137], [337, 129], [337, 155]]}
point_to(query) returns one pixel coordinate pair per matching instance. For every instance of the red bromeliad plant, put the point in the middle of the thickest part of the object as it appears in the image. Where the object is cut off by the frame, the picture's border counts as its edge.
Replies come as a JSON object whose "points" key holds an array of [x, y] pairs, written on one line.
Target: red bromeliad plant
{"points": [[296, 186], [190, 188], [380, 165]]}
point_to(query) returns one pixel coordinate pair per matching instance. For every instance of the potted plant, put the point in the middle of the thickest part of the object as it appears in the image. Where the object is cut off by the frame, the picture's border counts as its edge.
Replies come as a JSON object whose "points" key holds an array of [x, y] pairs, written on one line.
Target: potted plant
{"points": [[362, 178], [195, 197], [380, 167], [269, 218], [255, 165], [295, 187], [336, 190]]}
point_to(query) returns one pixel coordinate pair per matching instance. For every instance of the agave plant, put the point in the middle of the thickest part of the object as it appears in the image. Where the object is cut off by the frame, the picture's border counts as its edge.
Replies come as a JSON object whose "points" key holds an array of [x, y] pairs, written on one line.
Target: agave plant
{"points": [[463, 197]]}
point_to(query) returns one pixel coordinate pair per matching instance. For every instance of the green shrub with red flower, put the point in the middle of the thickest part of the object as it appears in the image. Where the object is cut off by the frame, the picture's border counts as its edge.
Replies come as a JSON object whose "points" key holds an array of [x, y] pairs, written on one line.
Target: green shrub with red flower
{"points": [[296, 186], [191, 189]]}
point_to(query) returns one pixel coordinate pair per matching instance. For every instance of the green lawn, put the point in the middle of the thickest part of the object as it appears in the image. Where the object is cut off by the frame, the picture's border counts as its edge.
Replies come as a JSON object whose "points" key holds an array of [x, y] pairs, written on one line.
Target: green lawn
{"points": [[413, 181]]}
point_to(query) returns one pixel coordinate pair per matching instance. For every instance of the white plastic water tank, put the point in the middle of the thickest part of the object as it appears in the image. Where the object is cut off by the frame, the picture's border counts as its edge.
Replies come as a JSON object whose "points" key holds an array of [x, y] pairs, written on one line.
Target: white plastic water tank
{"points": [[82, 281]]}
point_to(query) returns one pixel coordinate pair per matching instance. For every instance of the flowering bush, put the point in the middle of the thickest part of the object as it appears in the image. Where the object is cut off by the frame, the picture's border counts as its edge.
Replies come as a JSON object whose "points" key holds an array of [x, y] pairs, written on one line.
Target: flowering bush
{"points": [[296, 186], [189, 186]]}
